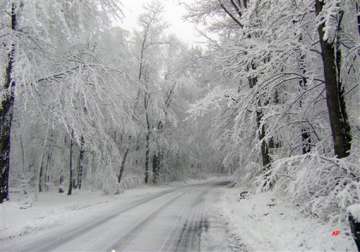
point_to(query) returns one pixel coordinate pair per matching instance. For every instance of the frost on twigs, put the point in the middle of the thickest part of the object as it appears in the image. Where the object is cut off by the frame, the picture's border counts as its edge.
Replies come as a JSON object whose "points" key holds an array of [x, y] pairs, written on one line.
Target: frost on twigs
{"points": [[323, 186], [273, 128], [329, 17]]}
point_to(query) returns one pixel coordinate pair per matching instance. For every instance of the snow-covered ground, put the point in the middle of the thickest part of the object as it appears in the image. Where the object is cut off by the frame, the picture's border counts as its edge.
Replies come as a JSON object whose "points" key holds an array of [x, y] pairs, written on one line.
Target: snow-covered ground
{"points": [[187, 214], [166, 218], [265, 223], [55, 209]]}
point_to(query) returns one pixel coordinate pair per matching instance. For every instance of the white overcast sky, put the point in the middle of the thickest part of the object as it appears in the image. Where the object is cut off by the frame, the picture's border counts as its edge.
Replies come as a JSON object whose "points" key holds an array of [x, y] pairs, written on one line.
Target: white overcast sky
{"points": [[173, 15]]}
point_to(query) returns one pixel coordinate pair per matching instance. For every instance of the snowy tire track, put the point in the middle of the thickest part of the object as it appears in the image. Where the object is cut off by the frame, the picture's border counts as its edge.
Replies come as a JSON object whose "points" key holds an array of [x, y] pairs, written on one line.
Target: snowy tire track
{"points": [[122, 243], [178, 220]]}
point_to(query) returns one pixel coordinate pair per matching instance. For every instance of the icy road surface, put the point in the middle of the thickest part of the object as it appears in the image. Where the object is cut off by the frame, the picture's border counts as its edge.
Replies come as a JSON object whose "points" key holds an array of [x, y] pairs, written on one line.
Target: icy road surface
{"points": [[178, 219]]}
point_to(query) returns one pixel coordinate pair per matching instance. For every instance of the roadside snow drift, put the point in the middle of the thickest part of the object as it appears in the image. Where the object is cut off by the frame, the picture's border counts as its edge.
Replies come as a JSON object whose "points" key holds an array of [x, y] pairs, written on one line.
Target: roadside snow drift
{"points": [[265, 223]]}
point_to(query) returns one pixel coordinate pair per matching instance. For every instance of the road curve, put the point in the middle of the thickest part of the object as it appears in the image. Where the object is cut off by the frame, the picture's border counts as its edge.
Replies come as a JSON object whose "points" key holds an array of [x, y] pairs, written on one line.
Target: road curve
{"points": [[179, 219]]}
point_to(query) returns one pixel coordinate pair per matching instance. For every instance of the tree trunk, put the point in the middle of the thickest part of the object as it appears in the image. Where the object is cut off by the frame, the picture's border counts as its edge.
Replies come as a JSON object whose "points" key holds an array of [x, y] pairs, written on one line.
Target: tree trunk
{"points": [[48, 162], [339, 124], [264, 150], [264, 145], [261, 128], [147, 157], [148, 133], [358, 16], [6, 115], [71, 164], [81, 163], [41, 179], [156, 167], [305, 131], [146, 104], [47, 177], [305, 140], [122, 167]]}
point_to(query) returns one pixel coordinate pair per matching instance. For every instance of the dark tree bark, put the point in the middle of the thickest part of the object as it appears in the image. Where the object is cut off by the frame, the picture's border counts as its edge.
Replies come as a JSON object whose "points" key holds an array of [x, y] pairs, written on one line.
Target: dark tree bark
{"points": [[71, 163], [265, 156], [47, 177], [147, 143], [358, 16], [146, 102], [236, 7], [156, 162], [228, 12], [273, 143], [147, 157], [305, 131], [339, 124], [6, 115], [122, 166], [48, 160], [41, 175], [306, 140], [158, 157], [81, 163], [266, 159], [355, 230], [245, 3], [264, 149]]}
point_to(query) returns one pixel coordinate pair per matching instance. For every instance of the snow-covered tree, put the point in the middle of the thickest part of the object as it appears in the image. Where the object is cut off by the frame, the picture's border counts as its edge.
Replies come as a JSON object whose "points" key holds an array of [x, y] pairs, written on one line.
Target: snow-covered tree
{"points": [[295, 64], [53, 71]]}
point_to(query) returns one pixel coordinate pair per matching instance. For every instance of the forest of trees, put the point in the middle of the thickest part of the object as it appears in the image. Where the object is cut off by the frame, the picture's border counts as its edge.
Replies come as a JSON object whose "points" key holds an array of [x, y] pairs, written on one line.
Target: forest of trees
{"points": [[272, 98], [88, 105], [290, 121]]}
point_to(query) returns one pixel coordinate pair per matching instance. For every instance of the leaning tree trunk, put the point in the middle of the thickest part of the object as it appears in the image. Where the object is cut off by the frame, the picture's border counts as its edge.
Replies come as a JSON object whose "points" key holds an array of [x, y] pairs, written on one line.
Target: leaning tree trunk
{"points": [[339, 124], [6, 115], [122, 166]]}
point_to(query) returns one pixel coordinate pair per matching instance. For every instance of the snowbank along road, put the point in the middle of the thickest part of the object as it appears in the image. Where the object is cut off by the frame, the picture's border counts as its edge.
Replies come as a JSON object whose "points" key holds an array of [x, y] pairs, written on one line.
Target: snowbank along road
{"points": [[178, 219]]}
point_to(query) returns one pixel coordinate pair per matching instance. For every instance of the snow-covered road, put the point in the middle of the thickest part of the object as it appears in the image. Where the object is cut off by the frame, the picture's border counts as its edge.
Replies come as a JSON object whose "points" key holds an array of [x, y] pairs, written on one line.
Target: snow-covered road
{"points": [[177, 219]]}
